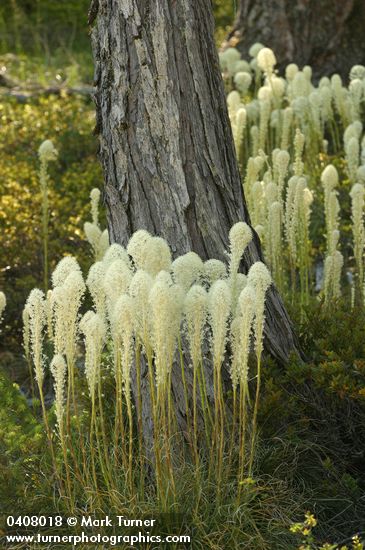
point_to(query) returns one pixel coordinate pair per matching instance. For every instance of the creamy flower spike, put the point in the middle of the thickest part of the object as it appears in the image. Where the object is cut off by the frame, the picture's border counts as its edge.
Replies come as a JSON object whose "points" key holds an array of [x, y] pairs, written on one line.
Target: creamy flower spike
{"points": [[63, 269], [117, 279], [36, 307], [219, 305], [139, 289], [352, 149], [247, 306], [93, 234], [357, 195], [157, 256], [195, 311], [116, 252], [255, 49], [123, 325], [214, 270], [66, 301], [242, 81], [234, 100], [98, 239], [2, 303], [187, 269], [95, 284], [228, 59], [95, 199], [332, 209], [329, 178], [240, 236], [266, 60], [47, 151], [165, 323], [332, 276], [287, 123], [137, 246], [259, 279], [93, 328]]}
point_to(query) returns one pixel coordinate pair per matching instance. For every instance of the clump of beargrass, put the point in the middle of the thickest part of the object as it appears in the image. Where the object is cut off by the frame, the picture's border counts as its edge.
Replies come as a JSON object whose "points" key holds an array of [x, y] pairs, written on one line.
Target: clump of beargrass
{"points": [[297, 124], [161, 313]]}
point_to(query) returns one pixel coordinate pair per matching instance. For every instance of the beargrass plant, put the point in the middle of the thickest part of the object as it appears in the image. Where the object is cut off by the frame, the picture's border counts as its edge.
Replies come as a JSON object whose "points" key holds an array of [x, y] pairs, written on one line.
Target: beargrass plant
{"points": [[358, 231], [47, 153], [150, 312], [170, 308], [334, 259]]}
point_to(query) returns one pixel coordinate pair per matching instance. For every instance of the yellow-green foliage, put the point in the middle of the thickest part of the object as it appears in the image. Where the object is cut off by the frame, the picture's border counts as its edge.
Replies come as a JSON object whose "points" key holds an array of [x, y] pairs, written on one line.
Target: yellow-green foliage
{"points": [[224, 12], [69, 122]]}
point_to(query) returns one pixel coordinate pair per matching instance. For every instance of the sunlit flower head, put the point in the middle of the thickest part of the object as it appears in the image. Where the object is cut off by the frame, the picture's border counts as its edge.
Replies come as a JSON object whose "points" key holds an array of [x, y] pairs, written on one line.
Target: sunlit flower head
{"points": [[47, 151]]}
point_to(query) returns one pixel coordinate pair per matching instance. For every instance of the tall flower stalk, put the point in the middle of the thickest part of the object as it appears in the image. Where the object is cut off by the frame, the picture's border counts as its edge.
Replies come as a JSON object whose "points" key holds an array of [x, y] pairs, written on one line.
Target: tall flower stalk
{"points": [[219, 304], [47, 153], [36, 308], [247, 306], [358, 230], [260, 279], [195, 309]]}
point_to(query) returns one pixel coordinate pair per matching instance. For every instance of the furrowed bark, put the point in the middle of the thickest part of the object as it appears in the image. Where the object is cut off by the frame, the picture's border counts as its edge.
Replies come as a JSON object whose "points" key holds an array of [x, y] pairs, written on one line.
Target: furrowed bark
{"points": [[165, 138]]}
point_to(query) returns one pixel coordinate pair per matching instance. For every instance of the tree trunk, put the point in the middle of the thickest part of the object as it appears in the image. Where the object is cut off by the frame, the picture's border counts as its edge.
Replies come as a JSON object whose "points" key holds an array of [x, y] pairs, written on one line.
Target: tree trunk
{"points": [[326, 34], [165, 138]]}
